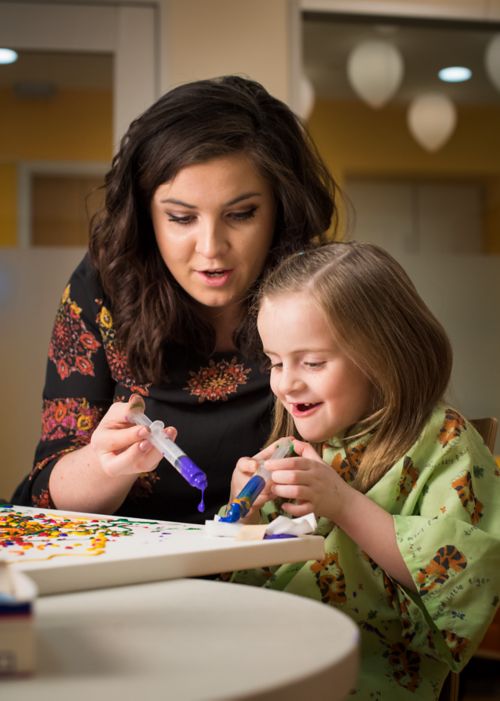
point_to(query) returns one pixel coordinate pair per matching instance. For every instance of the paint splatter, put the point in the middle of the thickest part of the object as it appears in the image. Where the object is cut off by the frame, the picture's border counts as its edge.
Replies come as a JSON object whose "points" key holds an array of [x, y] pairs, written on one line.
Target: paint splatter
{"points": [[31, 534]]}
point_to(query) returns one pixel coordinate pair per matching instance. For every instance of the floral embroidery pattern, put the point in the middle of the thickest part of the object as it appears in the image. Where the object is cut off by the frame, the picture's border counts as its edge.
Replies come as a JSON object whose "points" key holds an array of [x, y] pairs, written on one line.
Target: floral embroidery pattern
{"points": [[72, 346], [116, 359], [43, 500], [144, 485], [69, 417], [217, 380]]}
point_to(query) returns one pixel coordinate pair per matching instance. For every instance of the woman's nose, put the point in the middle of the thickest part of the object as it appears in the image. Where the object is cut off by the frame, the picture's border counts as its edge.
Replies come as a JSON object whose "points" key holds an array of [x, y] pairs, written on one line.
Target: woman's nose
{"points": [[211, 240]]}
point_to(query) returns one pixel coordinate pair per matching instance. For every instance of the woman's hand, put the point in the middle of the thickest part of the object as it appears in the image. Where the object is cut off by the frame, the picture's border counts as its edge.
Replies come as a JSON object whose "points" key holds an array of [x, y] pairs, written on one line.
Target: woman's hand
{"points": [[121, 447], [308, 484]]}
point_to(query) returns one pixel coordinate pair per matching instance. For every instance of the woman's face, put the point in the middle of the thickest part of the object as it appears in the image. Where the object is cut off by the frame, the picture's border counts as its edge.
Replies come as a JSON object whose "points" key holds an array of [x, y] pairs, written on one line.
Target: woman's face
{"points": [[214, 223]]}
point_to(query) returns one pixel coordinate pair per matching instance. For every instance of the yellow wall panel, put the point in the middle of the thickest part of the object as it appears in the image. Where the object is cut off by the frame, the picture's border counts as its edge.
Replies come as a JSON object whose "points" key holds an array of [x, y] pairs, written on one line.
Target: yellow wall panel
{"points": [[8, 200], [74, 125]]}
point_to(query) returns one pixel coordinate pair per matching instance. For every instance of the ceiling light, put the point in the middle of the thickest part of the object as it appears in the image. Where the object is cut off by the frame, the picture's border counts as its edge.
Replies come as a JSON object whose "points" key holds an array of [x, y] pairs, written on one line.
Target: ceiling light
{"points": [[7, 56], [454, 74]]}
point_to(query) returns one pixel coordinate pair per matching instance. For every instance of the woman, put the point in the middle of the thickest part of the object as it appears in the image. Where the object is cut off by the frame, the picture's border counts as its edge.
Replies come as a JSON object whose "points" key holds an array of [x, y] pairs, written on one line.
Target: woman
{"points": [[211, 186]]}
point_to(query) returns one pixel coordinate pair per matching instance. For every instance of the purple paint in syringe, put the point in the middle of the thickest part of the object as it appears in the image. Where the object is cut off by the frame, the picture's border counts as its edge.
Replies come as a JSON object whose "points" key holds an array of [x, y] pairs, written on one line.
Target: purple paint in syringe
{"points": [[193, 474]]}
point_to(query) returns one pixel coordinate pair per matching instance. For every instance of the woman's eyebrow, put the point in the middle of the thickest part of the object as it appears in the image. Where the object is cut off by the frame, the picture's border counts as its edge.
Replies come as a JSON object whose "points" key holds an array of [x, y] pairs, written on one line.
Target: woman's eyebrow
{"points": [[181, 203]]}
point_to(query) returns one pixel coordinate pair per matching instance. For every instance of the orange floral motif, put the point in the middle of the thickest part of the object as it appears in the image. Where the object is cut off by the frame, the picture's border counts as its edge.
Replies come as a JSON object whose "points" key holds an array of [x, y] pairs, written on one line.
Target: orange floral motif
{"points": [[69, 417], [217, 381], [43, 500], [117, 360], [72, 346]]}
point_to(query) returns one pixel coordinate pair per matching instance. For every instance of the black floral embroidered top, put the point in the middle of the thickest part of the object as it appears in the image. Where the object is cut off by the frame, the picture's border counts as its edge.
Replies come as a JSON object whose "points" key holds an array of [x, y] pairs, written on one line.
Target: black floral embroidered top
{"points": [[221, 407]]}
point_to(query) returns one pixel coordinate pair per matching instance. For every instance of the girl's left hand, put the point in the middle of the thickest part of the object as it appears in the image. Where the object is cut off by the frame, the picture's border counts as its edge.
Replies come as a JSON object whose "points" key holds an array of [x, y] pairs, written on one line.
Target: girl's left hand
{"points": [[309, 482]]}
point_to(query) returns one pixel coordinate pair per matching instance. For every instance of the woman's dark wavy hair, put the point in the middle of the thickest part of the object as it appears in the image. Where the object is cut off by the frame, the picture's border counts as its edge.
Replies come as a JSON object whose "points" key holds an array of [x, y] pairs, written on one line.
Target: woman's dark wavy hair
{"points": [[190, 124]]}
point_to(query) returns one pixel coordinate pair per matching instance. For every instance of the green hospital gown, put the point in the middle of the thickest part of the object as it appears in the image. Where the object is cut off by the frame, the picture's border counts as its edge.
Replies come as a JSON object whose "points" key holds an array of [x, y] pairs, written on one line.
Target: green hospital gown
{"points": [[444, 494]]}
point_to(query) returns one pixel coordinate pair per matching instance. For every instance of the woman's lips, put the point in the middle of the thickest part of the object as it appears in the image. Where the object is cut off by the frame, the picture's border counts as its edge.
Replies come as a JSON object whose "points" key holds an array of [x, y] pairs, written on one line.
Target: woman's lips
{"points": [[215, 278]]}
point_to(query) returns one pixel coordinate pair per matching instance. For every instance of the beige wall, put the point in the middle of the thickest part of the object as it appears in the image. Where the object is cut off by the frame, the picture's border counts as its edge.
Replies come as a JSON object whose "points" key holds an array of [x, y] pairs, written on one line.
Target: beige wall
{"points": [[204, 39]]}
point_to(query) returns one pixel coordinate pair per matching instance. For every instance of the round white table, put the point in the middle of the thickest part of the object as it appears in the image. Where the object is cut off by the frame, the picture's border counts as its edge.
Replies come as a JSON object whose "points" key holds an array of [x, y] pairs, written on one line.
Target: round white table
{"points": [[188, 639]]}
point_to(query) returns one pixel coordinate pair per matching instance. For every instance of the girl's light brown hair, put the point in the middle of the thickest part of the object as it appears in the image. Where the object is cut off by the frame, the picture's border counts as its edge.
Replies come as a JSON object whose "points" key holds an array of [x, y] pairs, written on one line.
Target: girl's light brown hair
{"points": [[384, 326]]}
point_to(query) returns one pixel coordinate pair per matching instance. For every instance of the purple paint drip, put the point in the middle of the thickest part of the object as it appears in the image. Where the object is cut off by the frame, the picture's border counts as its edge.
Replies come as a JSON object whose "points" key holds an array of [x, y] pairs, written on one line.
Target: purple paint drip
{"points": [[175, 456], [194, 476]]}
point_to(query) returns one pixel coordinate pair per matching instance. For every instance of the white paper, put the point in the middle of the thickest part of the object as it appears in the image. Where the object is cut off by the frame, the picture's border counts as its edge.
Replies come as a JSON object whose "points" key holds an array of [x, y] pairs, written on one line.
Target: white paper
{"points": [[292, 526]]}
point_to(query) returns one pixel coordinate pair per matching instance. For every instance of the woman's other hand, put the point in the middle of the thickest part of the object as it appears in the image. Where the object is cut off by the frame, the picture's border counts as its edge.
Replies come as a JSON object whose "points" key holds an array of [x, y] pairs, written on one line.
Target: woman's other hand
{"points": [[122, 447]]}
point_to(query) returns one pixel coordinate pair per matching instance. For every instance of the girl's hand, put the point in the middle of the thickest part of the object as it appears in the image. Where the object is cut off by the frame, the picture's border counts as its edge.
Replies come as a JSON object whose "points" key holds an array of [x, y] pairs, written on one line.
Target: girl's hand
{"points": [[121, 447], [309, 482], [245, 469]]}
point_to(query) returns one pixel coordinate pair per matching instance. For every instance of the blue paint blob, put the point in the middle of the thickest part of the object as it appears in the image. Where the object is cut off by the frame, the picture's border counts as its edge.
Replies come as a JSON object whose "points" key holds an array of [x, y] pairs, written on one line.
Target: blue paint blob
{"points": [[194, 475], [241, 505]]}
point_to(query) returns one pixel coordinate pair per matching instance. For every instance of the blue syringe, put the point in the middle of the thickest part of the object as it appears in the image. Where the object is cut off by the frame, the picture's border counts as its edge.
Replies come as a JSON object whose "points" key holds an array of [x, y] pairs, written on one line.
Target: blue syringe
{"points": [[241, 505], [193, 474]]}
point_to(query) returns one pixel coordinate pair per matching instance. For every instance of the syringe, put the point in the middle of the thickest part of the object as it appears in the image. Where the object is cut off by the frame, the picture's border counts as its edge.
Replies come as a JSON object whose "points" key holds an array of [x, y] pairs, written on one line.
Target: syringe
{"points": [[193, 474], [241, 505]]}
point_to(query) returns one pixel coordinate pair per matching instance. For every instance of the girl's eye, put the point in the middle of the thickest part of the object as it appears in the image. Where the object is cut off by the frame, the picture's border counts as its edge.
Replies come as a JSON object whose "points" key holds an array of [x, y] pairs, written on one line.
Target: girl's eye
{"points": [[317, 364], [186, 219], [243, 215], [269, 365]]}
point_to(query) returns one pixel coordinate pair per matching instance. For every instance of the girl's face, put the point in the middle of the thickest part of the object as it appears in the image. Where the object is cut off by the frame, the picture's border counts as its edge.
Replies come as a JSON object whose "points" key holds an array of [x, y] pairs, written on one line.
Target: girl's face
{"points": [[214, 223], [323, 390]]}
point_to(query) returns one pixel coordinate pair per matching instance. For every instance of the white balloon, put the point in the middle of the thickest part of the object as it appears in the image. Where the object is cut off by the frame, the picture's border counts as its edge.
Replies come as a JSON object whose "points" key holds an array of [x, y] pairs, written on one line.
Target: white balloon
{"points": [[375, 70], [492, 60], [306, 98], [432, 117]]}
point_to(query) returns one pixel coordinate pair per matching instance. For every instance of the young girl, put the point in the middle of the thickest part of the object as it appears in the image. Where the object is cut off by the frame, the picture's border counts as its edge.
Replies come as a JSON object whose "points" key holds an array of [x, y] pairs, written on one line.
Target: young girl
{"points": [[406, 494]]}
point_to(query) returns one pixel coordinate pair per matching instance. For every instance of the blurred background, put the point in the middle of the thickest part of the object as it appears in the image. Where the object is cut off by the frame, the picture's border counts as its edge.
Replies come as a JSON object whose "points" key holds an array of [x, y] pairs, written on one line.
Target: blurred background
{"points": [[418, 157]]}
